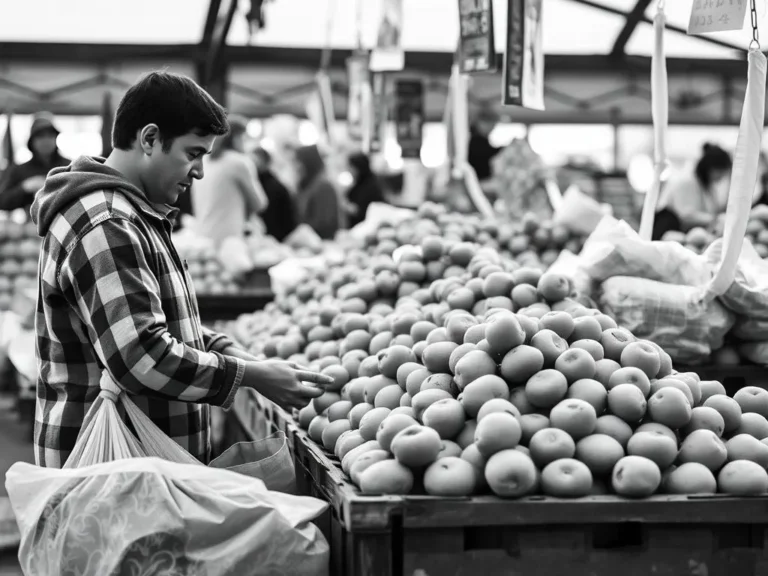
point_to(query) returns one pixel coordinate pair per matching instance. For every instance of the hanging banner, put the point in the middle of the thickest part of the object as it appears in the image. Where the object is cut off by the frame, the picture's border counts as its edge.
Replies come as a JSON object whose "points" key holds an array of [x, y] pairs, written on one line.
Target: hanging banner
{"points": [[409, 116], [359, 82], [379, 112], [388, 55], [319, 108], [523, 79], [477, 48]]}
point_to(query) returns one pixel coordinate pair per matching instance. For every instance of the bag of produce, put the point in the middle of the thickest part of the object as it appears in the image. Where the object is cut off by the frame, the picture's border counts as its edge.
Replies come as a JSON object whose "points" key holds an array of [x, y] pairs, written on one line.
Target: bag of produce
{"points": [[673, 316], [615, 249], [140, 504], [750, 329]]}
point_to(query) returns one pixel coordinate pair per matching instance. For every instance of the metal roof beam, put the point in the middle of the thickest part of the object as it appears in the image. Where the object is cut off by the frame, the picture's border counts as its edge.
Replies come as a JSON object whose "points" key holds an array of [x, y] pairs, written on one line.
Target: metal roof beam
{"points": [[633, 19], [218, 40], [210, 22], [670, 27]]}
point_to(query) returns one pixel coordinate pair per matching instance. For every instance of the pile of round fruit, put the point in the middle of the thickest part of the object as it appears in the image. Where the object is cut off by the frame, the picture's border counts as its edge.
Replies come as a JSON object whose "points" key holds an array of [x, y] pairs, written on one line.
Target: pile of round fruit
{"points": [[19, 252], [496, 380], [531, 241]]}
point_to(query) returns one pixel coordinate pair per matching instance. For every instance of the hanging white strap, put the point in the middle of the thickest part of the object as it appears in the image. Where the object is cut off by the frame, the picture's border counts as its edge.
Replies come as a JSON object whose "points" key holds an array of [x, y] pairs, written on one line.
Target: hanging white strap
{"points": [[743, 175], [660, 112]]}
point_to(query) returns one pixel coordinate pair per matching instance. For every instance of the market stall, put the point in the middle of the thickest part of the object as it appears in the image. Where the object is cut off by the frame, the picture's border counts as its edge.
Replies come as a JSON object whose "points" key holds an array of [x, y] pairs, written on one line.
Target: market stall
{"points": [[509, 375]]}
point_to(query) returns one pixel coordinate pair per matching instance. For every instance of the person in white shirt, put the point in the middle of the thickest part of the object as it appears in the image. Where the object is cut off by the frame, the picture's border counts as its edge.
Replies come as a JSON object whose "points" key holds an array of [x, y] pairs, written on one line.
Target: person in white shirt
{"points": [[690, 199], [230, 194]]}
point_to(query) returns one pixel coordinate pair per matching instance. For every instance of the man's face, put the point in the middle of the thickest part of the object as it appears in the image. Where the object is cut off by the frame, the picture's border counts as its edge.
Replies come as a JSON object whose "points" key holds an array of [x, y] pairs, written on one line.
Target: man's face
{"points": [[44, 144], [169, 174]]}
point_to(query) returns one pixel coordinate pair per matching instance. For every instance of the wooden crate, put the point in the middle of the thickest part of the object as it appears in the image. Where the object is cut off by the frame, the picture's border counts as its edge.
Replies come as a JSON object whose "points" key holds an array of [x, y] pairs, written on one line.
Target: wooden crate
{"points": [[541, 536], [538, 536]]}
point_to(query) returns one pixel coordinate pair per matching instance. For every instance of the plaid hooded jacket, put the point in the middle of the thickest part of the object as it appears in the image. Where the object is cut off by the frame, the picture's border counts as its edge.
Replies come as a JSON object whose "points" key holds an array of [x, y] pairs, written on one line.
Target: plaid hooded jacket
{"points": [[114, 294]]}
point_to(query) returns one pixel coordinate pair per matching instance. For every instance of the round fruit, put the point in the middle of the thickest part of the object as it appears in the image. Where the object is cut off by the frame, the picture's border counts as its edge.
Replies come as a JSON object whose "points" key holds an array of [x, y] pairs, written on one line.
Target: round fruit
{"points": [[636, 477], [386, 477], [746, 447], [450, 477], [511, 474], [614, 427], [498, 431], [576, 364], [670, 407], [365, 461], [743, 478], [643, 356], [566, 478], [416, 446], [728, 408], [690, 478], [532, 423], [577, 417], [599, 452], [550, 444], [706, 418], [655, 446], [390, 427], [590, 391], [520, 363], [449, 448], [498, 405], [546, 388], [481, 391], [631, 375], [753, 399], [627, 402], [704, 447], [473, 365], [446, 416]]}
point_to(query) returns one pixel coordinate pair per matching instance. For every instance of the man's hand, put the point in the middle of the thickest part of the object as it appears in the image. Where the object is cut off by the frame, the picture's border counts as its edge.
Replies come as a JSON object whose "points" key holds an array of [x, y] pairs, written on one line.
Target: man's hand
{"points": [[283, 384], [33, 184]]}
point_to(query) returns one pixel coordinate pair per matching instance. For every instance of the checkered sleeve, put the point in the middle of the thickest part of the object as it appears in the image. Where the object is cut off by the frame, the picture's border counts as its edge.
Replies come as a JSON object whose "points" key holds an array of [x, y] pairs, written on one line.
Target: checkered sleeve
{"points": [[108, 279], [216, 341]]}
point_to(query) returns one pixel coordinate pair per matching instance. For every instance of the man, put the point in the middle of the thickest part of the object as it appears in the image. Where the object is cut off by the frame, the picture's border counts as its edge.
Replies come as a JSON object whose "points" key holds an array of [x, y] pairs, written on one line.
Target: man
{"points": [[114, 294], [19, 184]]}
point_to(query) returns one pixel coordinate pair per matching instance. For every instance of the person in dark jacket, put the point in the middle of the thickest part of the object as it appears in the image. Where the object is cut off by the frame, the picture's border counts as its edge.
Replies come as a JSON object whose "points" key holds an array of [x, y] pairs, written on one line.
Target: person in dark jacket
{"points": [[19, 183], [280, 217], [366, 188], [317, 200], [481, 152]]}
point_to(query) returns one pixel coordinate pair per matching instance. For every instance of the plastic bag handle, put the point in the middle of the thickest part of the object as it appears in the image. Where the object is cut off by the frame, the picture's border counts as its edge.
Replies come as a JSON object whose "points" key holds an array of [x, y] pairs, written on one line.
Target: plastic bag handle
{"points": [[743, 175], [660, 114]]}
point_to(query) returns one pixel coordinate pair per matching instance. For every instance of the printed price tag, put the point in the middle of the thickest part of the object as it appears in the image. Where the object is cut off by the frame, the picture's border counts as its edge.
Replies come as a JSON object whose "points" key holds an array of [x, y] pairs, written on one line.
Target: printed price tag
{"points": [[709, 16]]}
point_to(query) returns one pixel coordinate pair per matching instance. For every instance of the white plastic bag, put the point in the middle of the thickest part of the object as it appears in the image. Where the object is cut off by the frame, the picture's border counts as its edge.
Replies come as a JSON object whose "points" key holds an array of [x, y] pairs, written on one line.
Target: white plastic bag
{"points": [[151, 516], [115, 508]]}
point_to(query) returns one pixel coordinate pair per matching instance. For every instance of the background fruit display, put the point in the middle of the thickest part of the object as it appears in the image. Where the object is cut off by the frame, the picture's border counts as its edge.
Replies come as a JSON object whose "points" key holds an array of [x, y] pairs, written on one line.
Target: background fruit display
{"points": [[19, 253], [699, 239], [458, 371]]}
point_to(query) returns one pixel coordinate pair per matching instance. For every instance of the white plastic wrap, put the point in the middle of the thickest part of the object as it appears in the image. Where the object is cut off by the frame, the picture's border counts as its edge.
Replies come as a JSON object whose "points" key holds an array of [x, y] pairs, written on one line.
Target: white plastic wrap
{"points": [[671, 315], [151, 516]]}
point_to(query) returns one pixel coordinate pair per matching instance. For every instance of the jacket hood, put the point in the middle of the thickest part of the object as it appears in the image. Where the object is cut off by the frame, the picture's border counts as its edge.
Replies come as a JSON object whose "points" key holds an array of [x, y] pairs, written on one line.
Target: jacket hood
{"points": [[66, 184]]}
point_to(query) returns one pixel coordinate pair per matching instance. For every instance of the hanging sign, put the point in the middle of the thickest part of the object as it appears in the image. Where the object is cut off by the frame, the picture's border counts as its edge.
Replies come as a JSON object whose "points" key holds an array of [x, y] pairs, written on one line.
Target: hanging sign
{"points": [[358, 79], [319, 108], [478, 52], [709, 16], [523, 79], [379, 112], [409, 116], [388, 55]]}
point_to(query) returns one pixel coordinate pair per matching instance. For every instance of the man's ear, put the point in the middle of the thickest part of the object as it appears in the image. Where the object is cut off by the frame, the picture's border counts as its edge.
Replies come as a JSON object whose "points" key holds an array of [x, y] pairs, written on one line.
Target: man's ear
{"points": [[149, 136]]}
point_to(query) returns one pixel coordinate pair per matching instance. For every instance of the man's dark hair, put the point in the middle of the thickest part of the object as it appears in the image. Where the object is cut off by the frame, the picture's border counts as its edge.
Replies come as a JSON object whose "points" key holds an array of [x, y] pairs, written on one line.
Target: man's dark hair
{"points": [[175, 103]]}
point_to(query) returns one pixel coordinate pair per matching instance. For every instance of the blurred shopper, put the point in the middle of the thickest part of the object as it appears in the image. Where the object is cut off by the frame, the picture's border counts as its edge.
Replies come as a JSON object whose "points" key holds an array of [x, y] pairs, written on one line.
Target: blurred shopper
{"points": [[19, 183], [114, 294], [365, 188], [280, 217], [231, 193], [691, 199], [481, 152], [317, 201]]}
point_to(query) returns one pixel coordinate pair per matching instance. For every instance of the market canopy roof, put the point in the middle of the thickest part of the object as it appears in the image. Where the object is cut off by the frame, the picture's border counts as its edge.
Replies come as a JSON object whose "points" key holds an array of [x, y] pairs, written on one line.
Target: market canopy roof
{"points": [[89, 46]]}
